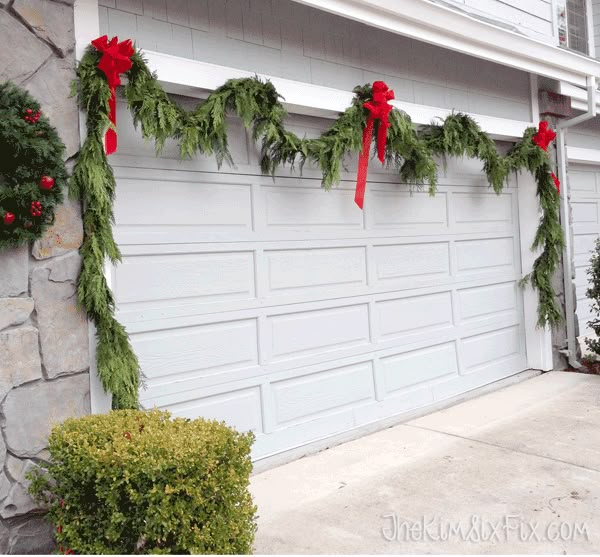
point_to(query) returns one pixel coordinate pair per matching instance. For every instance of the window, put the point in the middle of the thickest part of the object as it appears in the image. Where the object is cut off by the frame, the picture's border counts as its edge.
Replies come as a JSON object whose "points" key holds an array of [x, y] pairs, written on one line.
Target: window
{"points": [[577, 25]]}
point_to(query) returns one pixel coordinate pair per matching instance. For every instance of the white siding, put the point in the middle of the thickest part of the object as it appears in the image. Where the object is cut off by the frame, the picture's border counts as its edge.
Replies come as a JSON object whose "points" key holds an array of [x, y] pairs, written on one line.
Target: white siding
{"points": [[285, 39], [596, 26], [529, 17]]}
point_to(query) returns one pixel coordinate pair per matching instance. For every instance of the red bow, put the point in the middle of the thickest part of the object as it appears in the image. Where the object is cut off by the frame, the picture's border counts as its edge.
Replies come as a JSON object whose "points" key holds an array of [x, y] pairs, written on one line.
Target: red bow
{"points": [[379, 109], [544, 136], [556, 183], [115, 60]]}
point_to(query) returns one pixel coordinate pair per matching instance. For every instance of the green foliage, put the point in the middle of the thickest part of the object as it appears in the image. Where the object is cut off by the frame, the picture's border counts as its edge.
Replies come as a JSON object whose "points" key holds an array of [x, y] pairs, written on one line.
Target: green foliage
{"points": [[460, 136], [93, 182], [525, 155], [133, 482], [405, 151], [28, 152], [593, 293], [258, 105]]}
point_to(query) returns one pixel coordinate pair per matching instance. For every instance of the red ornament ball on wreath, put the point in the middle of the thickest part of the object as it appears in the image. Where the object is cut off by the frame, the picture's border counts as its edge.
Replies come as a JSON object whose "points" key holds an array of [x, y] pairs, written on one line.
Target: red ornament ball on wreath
{"points": [[32, 169], [46, 182]]}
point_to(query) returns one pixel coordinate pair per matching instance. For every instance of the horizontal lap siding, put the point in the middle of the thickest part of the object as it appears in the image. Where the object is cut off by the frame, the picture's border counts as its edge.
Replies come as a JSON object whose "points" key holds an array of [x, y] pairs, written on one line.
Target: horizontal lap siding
{"points": [[286, 39], [284, 309], [584, 184]]}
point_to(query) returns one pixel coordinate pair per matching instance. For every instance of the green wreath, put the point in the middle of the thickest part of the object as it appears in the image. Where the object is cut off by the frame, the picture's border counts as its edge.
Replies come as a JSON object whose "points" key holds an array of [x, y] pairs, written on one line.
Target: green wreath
{"points": [[32, 171]]}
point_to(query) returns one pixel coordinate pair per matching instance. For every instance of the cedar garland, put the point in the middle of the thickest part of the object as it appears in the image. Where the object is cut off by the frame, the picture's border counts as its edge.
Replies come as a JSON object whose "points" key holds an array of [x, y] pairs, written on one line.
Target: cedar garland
{"points": [[258, 105]]}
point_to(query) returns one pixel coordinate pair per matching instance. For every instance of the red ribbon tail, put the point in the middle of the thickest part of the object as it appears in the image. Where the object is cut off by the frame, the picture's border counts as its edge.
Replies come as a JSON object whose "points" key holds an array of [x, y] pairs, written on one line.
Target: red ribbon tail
{"points": [[381, 140], [111, 135], [363, 164]]}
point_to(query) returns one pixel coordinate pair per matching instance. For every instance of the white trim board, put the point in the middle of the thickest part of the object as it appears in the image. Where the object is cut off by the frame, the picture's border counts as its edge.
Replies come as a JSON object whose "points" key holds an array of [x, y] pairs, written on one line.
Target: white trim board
{"points": [[191, 77], [448, 28], [582, 155]]}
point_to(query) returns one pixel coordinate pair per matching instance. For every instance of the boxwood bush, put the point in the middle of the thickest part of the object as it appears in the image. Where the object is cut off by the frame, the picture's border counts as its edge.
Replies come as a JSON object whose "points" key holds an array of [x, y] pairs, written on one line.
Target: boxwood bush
{"points": [[140, 482]]}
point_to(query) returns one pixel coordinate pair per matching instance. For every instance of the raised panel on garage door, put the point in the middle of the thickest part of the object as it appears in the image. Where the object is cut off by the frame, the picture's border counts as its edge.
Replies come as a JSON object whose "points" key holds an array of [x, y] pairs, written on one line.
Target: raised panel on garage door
{"points": [[283, 309]]}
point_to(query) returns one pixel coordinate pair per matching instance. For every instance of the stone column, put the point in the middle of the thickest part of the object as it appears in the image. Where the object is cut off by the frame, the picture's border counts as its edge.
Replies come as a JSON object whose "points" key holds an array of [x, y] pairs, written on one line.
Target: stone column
{"points": [[44, 352]]}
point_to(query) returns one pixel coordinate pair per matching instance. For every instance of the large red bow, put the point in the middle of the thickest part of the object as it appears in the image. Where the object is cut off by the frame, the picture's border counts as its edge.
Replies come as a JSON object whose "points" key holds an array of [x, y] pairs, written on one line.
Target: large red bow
{"points": [[379, 109], [544, 136], [116, 59], [542, 139]]}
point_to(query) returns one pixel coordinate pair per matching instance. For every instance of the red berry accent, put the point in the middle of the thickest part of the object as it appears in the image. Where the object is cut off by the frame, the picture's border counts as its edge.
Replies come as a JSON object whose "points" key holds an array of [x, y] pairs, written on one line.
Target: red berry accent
{"points": [[36, 209], [46, 182], [9, 218], [29, 111]]}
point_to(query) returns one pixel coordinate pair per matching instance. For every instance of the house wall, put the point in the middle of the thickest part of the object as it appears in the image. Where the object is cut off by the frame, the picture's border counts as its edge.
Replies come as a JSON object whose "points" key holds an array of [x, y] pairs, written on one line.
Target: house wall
{"points": [[286, 39], [596, 22], [44, 356], [530, 17]]}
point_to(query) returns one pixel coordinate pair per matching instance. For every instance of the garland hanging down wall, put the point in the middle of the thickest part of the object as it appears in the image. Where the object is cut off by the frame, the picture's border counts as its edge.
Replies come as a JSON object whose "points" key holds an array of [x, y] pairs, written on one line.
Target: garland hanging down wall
{"points": [[203, 130]]}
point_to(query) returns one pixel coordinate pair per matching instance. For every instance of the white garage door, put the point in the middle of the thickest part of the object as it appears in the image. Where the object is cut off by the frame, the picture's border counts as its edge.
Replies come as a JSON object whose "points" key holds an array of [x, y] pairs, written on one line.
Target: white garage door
{"points": [[585, 200], [284, 309]]}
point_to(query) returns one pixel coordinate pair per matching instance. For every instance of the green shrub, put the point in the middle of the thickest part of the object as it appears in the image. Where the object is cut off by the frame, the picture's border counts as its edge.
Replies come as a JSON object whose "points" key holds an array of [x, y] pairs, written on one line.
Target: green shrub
{"points": [[140, 482], [593, 293]]}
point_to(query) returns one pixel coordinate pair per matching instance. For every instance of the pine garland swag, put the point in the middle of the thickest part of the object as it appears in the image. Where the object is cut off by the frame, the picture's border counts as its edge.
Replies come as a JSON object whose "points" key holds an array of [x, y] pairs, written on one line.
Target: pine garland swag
{"points": [[258, 105], [32, 170]]}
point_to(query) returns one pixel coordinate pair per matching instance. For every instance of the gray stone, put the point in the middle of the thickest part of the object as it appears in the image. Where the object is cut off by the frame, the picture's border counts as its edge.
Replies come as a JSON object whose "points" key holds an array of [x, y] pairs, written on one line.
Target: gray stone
{"points": [[31, 535], [26, 53], [4, 537], [3, 455], [14, 311], [18, 501], [5, 486], [19, 358], [62, 325], [66, 234], [51, 86], [13, 262], [52, 22], [48, 404]]}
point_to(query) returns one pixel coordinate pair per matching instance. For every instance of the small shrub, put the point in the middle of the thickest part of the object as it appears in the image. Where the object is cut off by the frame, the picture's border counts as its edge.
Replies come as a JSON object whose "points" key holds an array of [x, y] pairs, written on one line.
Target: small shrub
{"points": [[140, 482], [593, 293]]}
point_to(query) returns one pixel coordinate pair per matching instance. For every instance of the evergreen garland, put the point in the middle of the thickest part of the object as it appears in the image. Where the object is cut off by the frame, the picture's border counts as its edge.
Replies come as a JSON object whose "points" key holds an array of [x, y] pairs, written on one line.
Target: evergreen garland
{"points": [[32, 170], [258, 105]]}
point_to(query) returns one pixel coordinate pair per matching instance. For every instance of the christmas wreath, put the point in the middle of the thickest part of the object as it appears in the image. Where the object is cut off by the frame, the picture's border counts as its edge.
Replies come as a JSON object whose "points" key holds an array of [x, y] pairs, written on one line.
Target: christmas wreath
{"points": [[32, 171]]}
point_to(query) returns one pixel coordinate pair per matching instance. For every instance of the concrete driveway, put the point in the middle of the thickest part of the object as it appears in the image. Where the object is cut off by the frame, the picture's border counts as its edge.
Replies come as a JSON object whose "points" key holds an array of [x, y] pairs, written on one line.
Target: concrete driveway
{"points": [[513, 471]]}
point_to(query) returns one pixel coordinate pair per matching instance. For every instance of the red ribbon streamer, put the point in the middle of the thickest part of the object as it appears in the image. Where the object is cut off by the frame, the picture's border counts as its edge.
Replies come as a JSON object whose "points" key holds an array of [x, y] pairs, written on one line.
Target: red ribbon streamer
{"points": [[542, 139], [116, 59], [379, 109]]}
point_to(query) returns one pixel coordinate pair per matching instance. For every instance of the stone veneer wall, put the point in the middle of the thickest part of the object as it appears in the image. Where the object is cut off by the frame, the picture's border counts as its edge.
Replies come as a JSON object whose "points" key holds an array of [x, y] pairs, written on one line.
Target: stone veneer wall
{"points": [[44, 353]]}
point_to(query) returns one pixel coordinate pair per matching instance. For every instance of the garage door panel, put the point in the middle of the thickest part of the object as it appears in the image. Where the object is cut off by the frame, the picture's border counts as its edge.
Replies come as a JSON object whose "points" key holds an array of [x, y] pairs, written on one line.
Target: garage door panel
{"points": [[406, 210], [480, 302], [240, 408], [480, 350], [161, 202], [313, 269], [485, 255], [307, 208], [582, 182], [211, 277], [585, 212], [285, 310], [427, 261], [317, 331], [416, 314], [404, 370], [207, 349], [309, 396]]}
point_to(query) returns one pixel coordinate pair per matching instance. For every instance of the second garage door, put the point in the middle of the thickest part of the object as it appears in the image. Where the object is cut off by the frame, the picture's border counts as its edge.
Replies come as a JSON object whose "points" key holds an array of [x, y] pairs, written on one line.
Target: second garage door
{"points": [[284, 309]]}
